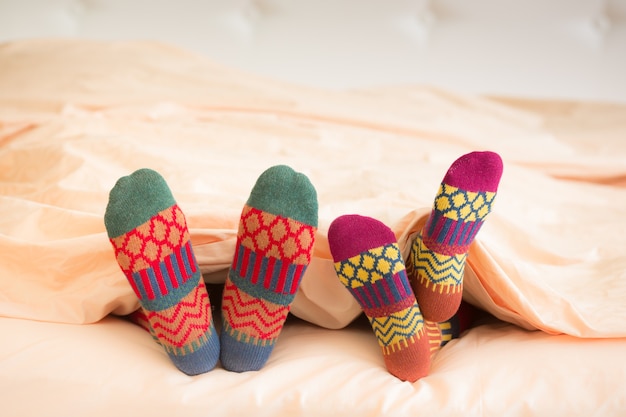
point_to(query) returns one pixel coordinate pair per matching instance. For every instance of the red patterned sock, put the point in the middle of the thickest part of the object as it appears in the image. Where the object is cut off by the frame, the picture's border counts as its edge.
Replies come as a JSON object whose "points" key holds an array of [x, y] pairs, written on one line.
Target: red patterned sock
{"points": [[274, 247], [149, 235]]}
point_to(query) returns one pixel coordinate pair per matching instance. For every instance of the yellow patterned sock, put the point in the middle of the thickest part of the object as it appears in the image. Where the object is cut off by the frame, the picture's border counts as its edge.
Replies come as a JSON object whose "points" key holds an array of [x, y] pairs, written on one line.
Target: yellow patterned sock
{"points": [[437, 260], [369, 264]]}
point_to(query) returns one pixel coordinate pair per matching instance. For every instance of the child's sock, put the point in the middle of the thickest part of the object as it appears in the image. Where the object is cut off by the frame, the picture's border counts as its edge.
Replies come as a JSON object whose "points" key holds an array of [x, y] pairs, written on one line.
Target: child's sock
{"points": [[369, 263], [437, 259], [149, 234], [439, 334], [274, 248]]}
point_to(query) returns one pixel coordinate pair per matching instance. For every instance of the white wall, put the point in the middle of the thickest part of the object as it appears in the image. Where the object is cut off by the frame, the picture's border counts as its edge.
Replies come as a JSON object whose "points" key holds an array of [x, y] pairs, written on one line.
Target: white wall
{"points": [[538, 48]]}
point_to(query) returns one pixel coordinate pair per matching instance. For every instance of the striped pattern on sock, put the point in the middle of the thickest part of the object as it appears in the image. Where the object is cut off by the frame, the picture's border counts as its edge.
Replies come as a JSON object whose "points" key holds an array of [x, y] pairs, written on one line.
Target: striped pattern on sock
{"points": [[271, 257], [439, 334], [157, 259], [438, 254], [376, 277]]}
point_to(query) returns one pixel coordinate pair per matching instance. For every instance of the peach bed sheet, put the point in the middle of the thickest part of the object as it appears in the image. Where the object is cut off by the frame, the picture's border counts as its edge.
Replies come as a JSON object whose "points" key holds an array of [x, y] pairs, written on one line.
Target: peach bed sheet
{"points": [[77, 115], [113, 368]]}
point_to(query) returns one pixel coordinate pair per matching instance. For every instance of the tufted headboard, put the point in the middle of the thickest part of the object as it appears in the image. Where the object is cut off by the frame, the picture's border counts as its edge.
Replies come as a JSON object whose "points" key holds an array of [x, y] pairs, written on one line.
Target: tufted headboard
{"points": [[560, 49]]}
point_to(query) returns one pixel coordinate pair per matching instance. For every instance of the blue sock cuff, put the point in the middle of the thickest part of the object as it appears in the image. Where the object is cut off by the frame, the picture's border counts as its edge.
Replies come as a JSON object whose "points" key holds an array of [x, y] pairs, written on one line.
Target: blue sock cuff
{"points": [[201, 360], [239, 356]]}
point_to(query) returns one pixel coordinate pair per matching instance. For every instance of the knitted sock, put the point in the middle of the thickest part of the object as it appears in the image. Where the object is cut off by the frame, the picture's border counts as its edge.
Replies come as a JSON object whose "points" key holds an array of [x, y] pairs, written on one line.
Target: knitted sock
{"points": [[274, 247], [369, 264], [437, 260], [140, 318], [439, 334], [149, 234]]}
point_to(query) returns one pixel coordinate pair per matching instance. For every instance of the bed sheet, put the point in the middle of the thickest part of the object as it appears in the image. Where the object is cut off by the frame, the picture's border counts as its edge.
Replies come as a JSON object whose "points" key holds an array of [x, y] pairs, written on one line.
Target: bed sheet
{"points": [[77, 115], [114, 368]]}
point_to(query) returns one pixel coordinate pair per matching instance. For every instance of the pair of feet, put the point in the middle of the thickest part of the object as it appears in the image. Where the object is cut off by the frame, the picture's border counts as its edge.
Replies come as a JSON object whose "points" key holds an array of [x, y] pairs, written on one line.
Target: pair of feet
{"points": [[152, 246], [274, 246], [411, 308]]}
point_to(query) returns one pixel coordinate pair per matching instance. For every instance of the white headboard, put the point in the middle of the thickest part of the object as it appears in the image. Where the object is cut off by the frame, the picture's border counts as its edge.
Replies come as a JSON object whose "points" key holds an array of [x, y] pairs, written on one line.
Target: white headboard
{"points": [[572, 49]]}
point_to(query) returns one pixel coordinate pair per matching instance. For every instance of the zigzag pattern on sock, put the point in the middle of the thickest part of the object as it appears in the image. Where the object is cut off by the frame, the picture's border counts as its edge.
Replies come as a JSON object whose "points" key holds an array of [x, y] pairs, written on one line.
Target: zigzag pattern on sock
{"points": [[257, 322], [439, 272], [140, 318], [183, 328], [398, 330]]}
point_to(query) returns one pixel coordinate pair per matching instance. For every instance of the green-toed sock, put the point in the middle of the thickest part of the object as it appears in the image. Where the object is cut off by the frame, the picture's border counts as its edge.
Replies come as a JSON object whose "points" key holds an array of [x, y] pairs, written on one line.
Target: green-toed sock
{"points": [[149, 235], [274, 248]]}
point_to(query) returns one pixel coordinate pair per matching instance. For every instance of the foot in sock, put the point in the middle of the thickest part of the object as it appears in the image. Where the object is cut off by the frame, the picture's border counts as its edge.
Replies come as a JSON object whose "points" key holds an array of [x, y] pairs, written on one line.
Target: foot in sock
{"points": [[140, 318], [437, 259], [274, 247], [369, 264], [150, 238]]}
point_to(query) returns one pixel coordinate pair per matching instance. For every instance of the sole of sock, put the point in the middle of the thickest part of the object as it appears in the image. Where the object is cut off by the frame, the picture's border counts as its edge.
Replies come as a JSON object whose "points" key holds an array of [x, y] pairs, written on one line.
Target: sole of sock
{"points": [[368, 262], [438, 254], [274, 247], [152, 246]]}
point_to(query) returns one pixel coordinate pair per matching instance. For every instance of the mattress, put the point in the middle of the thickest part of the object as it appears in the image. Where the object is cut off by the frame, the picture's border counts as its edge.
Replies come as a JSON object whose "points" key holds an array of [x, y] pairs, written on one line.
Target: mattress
{"points": [[548, 266]]}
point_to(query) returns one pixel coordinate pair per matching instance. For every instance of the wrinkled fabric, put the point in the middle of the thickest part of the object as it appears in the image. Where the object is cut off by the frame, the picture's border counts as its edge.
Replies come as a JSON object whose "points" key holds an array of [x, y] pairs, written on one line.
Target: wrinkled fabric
{"points": [[77, 115], [115, 368]]}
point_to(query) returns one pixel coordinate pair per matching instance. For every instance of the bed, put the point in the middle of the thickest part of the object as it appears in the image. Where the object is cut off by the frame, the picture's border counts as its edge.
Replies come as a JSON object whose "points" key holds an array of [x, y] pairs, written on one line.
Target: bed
{"points": [[81, 106]]}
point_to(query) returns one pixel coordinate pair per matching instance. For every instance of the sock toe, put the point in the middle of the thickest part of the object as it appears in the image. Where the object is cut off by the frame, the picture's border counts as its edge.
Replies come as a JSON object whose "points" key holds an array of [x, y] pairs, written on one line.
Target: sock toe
{"points": [[284, 192], [475, 171], [134, 199], [351, 234]]}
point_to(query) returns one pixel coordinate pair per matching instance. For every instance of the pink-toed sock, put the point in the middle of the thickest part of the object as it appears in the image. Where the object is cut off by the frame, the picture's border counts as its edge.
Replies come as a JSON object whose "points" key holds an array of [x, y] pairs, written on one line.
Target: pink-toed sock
{"points": [[437, 260], [368, 263]]}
